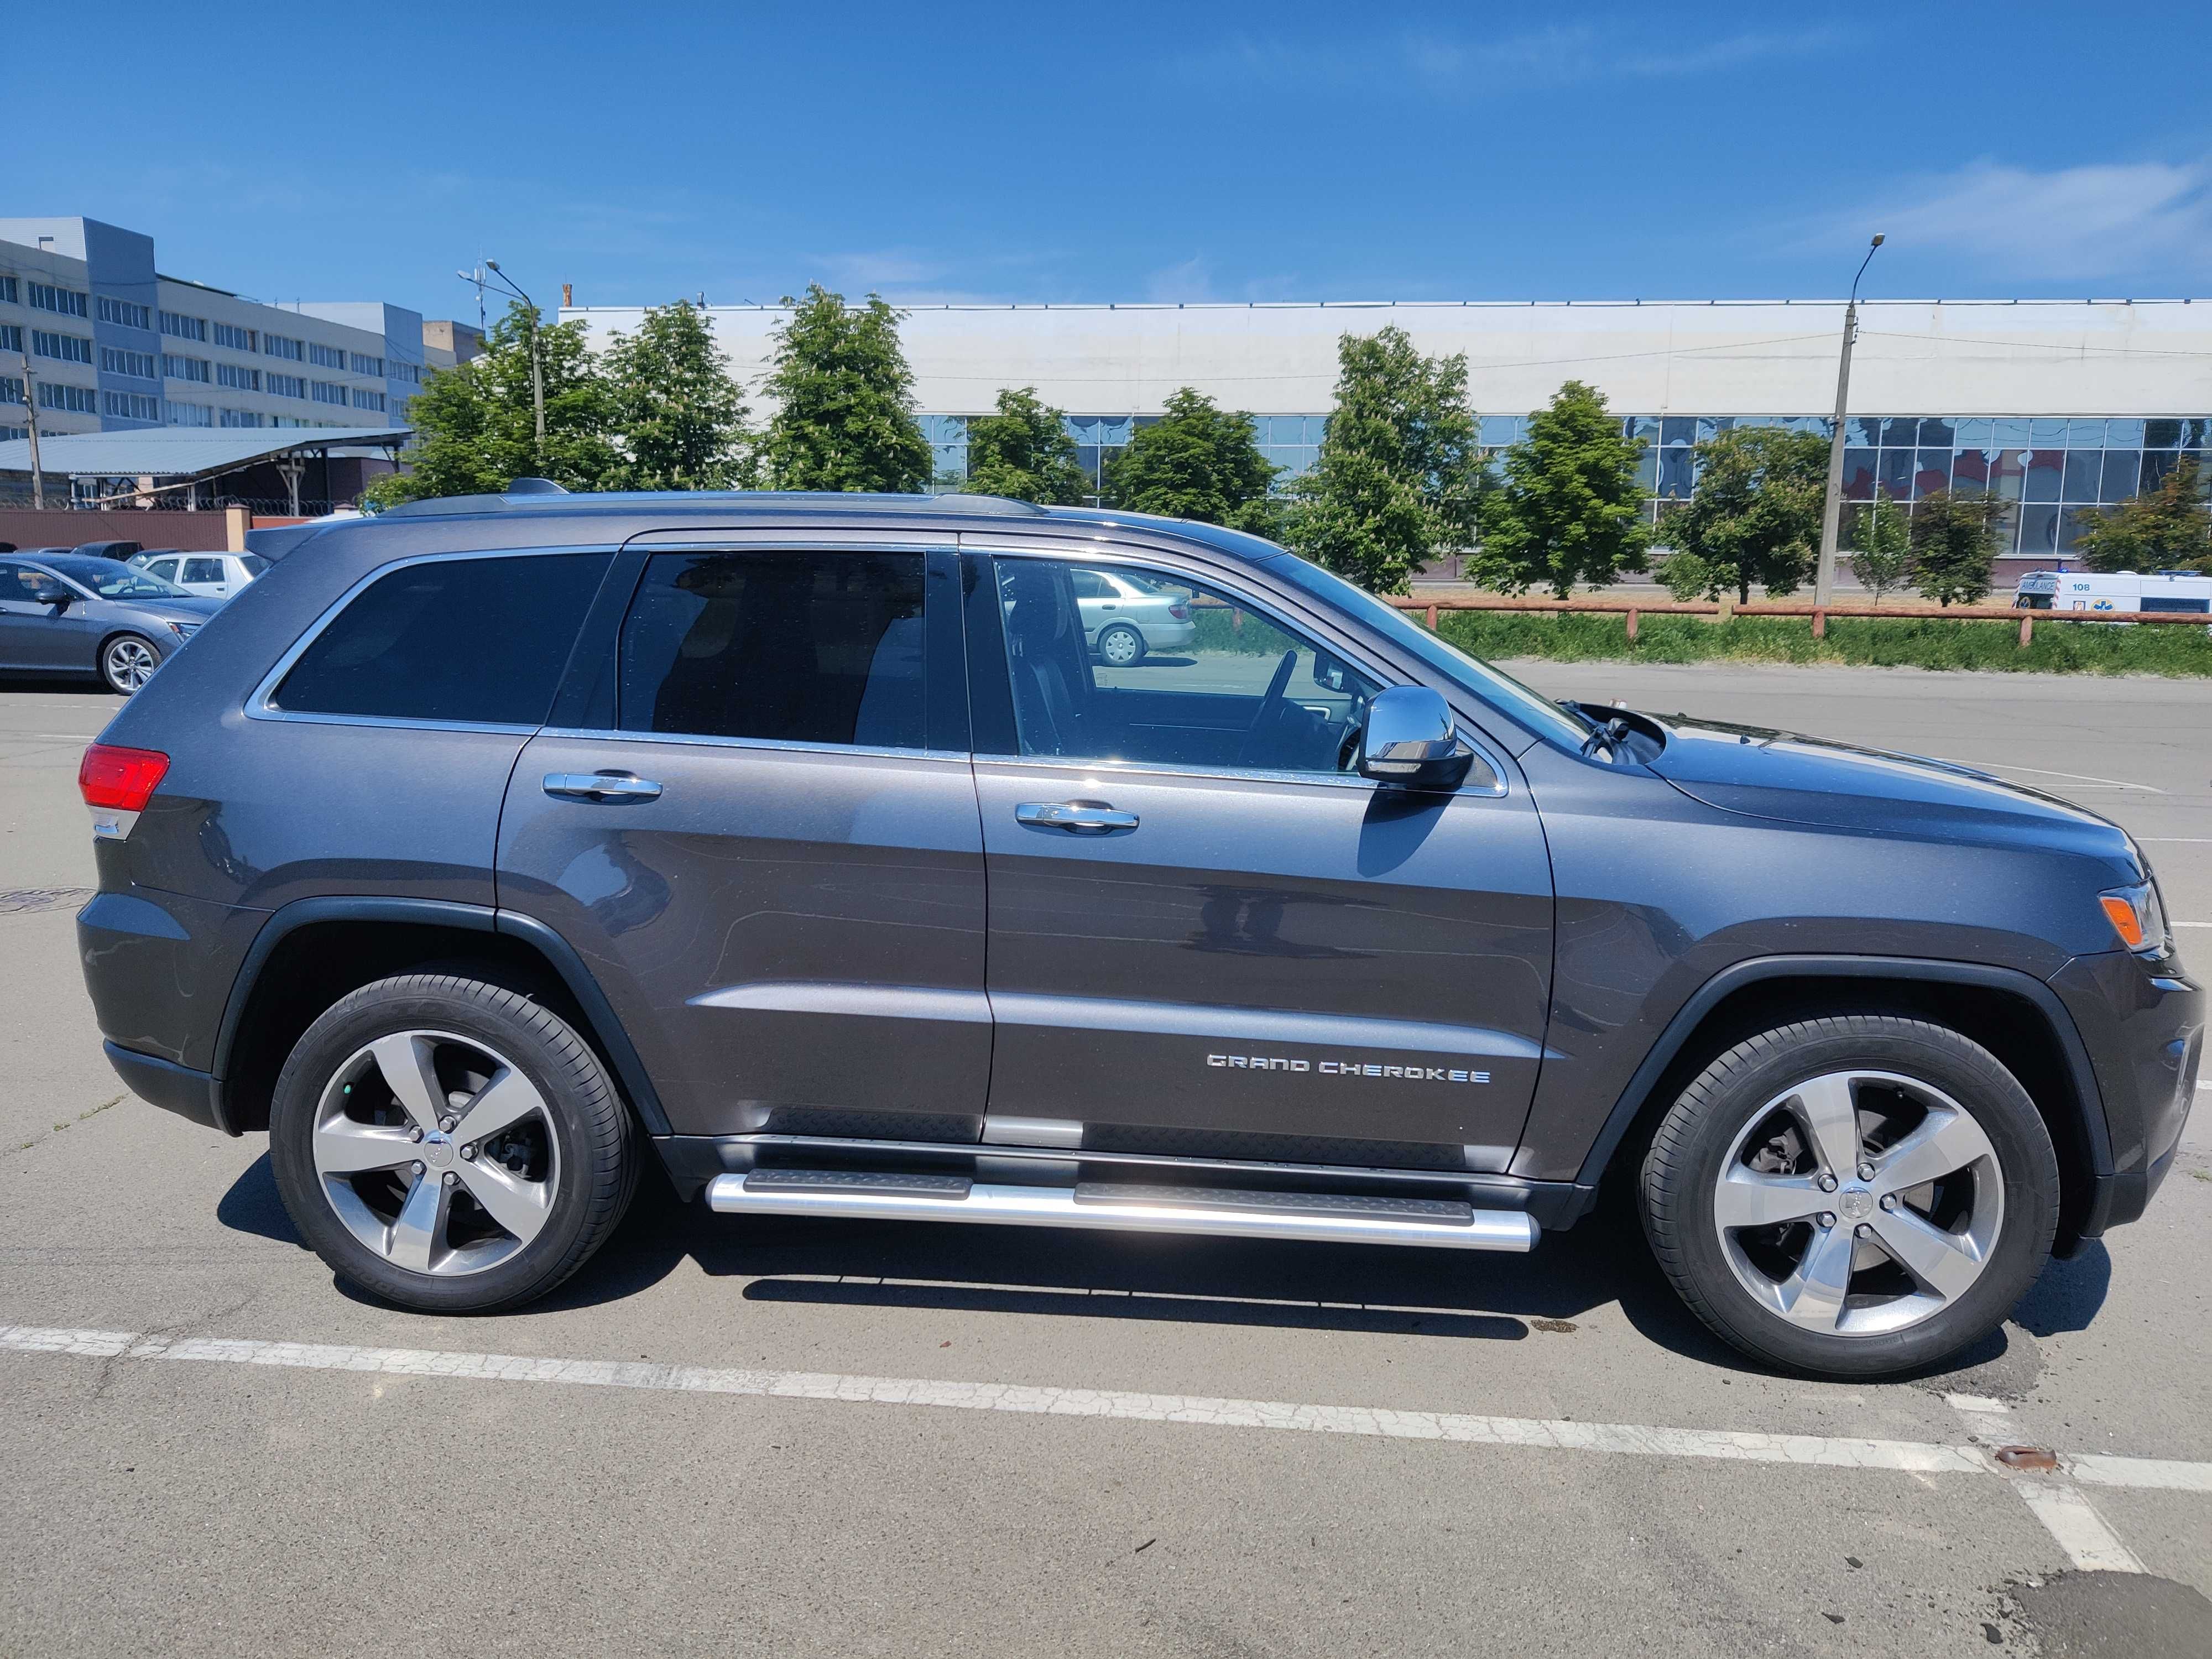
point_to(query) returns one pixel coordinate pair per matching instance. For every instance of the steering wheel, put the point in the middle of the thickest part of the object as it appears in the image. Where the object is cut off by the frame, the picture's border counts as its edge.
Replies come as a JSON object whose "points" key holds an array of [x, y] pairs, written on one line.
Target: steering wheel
{"points": [[1270, 709]]}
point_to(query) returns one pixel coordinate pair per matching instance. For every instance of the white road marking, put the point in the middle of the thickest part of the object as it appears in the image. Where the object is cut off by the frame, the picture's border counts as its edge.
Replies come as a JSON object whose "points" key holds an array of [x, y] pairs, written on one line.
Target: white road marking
{"points": [[2042, 772], [2190, 924], [2090, 1543], [2176, 840], [1990, 1420], [1625, 1439], [2144, 1474]]}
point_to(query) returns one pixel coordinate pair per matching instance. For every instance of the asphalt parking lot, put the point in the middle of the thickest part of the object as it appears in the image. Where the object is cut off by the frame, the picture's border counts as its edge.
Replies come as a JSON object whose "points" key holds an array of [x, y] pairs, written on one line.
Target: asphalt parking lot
{"points": [[821, 1438]]}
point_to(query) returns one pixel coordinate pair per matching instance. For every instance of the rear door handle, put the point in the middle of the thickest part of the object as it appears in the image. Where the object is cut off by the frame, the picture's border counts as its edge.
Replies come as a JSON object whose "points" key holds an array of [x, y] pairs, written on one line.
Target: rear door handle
{"points": [[600, 785], [1078, 817]]}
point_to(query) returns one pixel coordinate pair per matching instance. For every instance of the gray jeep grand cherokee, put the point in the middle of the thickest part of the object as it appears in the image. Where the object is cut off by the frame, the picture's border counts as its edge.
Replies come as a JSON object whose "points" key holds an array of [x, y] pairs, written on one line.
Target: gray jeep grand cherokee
{"points": [[478, 848]]}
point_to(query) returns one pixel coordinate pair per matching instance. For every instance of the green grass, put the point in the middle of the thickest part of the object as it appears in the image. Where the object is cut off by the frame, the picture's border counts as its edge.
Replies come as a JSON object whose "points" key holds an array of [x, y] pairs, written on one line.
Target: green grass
{"points": [[1218, 633], [1903, 642]]}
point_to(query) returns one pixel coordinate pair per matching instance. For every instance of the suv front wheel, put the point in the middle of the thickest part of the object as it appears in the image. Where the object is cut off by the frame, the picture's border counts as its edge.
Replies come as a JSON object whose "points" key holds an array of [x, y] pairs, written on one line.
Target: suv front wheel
{"points": [[448, 1145], [1854, 1196]]}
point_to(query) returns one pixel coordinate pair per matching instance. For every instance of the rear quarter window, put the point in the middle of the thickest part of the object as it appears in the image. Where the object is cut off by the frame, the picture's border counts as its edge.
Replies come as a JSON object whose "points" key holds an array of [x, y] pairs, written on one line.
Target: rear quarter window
{"points": [[480, 641]]}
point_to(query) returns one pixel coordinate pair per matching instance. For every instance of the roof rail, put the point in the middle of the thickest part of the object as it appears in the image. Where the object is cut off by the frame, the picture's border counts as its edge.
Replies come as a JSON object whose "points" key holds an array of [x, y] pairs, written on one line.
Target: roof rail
{"points": [[541, 496]]}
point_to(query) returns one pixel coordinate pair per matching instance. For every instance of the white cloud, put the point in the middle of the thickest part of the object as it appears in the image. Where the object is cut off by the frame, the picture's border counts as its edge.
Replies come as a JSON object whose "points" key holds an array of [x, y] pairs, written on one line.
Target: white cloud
{"points": [[1447, 66], [2121, 220], [1190, 280]]}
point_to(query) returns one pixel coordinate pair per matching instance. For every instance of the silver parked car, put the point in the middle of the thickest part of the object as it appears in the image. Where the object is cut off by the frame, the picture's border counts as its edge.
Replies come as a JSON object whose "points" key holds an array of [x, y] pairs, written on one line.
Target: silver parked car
{"points": [[74, 613], [1125, 618], [204, 575]]}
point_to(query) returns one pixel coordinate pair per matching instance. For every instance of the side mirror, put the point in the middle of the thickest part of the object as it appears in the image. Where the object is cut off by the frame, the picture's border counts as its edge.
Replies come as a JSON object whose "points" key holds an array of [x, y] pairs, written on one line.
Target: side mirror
{"points": [[1410, 741], [57, 596], [1327, 671]]}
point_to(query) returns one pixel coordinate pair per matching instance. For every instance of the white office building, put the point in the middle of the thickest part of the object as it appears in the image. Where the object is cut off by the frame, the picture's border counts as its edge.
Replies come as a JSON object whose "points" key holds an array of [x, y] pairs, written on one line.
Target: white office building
{"points": [[2055, 405], [111, 345]]}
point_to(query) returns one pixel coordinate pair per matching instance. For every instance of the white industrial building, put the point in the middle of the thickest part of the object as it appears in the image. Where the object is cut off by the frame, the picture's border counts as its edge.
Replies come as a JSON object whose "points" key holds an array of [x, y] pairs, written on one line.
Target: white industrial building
{"points": [[2057, 405]]}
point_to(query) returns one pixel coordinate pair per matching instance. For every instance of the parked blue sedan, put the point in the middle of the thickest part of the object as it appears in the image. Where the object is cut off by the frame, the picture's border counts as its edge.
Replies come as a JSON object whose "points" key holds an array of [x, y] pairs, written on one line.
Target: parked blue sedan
{"points": [[72, 613]]}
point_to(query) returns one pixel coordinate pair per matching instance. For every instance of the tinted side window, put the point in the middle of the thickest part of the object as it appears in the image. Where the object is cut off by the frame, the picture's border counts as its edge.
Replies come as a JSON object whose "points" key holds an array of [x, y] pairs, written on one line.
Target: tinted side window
{"points": [[793, 647], [1168, 672], [481, 640], [204, 570]]}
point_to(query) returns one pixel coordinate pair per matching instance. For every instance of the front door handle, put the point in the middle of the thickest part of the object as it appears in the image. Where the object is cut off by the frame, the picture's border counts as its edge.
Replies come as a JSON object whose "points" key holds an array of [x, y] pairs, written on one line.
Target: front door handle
{"points": [[1078, 817], [600, 785]]}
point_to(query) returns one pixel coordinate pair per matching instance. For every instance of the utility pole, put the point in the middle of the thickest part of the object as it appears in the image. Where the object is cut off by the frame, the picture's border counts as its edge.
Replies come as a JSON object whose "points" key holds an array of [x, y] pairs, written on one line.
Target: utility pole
{"points": [[30, 416], [537, 363], [1832, 511]]}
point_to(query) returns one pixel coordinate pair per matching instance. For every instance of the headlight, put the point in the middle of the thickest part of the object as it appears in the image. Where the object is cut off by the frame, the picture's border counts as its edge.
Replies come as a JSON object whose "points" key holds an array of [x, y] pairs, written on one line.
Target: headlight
{"points": [[2137, 917], [183, 630]]}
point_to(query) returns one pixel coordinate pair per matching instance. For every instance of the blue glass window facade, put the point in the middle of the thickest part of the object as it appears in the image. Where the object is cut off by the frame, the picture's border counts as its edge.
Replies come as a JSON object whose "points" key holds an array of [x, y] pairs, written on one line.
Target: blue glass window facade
{"points": [[2047, 470]]}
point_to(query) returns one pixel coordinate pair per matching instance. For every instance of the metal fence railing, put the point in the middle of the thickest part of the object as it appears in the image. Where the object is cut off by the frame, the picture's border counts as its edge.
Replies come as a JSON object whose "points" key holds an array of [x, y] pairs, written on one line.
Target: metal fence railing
{"points": [[1632, 610]]}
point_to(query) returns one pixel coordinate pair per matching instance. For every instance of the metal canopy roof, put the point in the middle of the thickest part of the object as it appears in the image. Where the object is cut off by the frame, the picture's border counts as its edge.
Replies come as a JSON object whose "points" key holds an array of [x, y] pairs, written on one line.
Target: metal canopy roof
{"points": [[181, 453]]}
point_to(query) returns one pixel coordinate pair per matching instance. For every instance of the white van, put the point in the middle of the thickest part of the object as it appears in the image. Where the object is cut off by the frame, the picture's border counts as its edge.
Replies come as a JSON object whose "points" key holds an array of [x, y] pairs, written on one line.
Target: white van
{"points": [[2119, 593]]}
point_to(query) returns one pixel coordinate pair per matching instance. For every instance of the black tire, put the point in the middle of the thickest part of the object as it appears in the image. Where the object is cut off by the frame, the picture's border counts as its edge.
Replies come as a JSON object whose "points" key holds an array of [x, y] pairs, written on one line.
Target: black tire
{"points": [[597, 1165], [114, 673], [1132, 634], [1686, 1162]]}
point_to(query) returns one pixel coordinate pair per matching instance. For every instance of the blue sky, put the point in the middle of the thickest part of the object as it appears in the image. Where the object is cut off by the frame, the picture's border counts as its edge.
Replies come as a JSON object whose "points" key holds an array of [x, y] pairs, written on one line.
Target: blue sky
{"points": [[1131, 150]]}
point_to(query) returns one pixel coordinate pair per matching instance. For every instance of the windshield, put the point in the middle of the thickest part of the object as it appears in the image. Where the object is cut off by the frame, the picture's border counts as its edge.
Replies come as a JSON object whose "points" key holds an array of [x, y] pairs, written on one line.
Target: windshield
{"points": [[111, 581], [1536, 712]]}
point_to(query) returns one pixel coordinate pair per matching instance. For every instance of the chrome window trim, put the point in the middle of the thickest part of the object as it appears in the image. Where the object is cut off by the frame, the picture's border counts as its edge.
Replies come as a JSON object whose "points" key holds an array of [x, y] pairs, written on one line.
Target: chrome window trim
{"points": [[609, 734], [260, 702], [1226, 774], [1367, 665]]}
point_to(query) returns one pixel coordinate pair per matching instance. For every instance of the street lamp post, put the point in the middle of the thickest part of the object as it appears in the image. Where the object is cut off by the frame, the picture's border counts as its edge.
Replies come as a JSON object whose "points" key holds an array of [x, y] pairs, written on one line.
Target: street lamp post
{"points": [[537, 367], [31, 431], [1831, 510]]}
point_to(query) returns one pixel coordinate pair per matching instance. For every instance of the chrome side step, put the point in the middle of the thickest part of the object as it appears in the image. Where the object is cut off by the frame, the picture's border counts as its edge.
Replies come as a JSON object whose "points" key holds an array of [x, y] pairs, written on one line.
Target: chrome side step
{"points": [[1221, 1212]]}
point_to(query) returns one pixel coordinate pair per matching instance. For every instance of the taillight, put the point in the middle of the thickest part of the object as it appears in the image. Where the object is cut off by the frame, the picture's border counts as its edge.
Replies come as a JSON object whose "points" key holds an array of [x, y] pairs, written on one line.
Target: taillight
{"points": [[117, 783], [1180, 611]]}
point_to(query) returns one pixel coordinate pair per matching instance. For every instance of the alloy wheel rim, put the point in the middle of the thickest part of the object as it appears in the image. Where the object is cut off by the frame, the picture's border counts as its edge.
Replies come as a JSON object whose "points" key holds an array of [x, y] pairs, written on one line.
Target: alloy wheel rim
{"points": [[1859, 1203], [1119, 648], [130, 663], [436, 1153]]}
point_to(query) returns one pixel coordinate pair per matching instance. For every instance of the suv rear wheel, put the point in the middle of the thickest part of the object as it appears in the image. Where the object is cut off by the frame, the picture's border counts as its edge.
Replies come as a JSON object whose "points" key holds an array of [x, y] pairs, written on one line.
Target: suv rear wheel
{"points": [[1853, 1196], [448, 1145]]}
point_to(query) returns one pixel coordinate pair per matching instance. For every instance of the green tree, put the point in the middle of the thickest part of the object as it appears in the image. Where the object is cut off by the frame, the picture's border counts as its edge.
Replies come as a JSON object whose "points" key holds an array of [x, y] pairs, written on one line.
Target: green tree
{"points": [[679, 416], [1023, 452], [1196, 461], [844, 395], [475, 429], [1953, 539], [1881, 547], [1569, 509], [1400, 477], [1754, 517], [2168, 528]]}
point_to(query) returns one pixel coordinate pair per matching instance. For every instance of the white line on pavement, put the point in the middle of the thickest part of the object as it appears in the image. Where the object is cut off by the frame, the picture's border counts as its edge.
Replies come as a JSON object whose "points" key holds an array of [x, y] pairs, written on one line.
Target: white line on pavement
{"points": [[2176, 840], [2090, 1543], [2190, 924], [1748, 1446]]}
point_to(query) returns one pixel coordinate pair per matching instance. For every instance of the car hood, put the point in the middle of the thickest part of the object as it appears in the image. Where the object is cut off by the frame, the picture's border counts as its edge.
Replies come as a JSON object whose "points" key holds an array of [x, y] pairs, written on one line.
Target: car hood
{"points": [[1799, 780], [186, 608]]}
